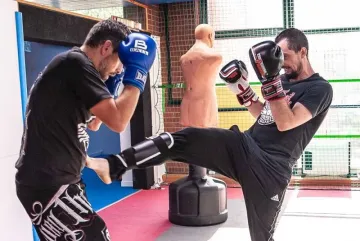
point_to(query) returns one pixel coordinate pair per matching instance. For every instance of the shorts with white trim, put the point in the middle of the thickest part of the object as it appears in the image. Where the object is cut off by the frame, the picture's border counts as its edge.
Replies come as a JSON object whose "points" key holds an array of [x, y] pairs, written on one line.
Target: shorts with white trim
{"points": [[62, 213]]}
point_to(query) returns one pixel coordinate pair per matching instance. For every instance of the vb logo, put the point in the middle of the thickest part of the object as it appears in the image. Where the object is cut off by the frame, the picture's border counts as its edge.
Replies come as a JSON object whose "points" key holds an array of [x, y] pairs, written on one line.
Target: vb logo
{"points": [[140, 44]]}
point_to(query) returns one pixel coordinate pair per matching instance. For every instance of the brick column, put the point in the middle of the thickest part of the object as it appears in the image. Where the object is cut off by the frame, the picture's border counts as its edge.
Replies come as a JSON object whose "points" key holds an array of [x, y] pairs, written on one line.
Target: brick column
{"points": [[181, 20]]}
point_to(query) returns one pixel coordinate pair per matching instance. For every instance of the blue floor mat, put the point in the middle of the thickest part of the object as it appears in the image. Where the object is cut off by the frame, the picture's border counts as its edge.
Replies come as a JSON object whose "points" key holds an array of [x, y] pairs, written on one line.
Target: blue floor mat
{"points": [[101, 195]]}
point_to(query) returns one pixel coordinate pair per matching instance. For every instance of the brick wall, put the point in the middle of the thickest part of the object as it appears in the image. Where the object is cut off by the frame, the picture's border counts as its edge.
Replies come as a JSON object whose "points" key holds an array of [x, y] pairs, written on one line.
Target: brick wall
{"points": [[135, 13], [181, 21]]}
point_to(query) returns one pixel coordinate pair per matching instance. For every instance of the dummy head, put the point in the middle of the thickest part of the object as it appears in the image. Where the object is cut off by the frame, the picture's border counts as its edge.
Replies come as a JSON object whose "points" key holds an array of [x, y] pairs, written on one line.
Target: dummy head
{"points": [[205, 33]]}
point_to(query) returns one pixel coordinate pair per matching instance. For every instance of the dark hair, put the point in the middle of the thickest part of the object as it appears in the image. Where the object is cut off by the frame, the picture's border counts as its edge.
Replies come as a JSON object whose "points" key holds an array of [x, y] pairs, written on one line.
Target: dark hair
{"points": [[296, 39], [107, 30]]}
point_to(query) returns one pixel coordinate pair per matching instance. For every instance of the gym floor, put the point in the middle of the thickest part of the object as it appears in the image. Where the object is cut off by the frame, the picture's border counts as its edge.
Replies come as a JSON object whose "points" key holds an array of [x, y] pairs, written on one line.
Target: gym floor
{"points": [[141, 215]]}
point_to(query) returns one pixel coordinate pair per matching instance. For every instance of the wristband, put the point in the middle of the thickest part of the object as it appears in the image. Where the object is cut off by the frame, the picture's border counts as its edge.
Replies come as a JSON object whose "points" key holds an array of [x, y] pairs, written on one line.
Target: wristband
{"points": [[135, 77], [273, 89], [247, 97]]}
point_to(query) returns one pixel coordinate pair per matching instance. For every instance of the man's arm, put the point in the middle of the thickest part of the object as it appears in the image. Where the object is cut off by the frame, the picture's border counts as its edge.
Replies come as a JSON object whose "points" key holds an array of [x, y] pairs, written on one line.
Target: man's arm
{"points": [[255, 108], [94, 124], [116, 114], [89, 87], [314, 101], [286, 118]]}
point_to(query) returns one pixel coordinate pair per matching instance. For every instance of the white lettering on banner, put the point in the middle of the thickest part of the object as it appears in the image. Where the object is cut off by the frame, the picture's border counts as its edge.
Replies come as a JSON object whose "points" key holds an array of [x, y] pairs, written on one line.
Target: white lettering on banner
{"points": [[73, 207]]}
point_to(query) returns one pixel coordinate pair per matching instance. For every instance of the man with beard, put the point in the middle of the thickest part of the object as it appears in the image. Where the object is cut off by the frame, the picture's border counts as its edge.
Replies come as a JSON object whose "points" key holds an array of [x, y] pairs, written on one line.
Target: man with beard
{"points": [[69, 96], [261, 158]]}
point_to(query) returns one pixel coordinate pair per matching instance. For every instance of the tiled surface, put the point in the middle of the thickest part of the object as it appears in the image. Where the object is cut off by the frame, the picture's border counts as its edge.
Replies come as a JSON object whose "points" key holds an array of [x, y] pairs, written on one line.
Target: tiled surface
{"points": [[306, 215]]}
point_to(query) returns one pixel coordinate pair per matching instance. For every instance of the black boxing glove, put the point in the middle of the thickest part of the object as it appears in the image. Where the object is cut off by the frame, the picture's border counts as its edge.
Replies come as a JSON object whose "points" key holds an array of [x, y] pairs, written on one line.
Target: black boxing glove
{"points": [[267, 60], [235, 75]]}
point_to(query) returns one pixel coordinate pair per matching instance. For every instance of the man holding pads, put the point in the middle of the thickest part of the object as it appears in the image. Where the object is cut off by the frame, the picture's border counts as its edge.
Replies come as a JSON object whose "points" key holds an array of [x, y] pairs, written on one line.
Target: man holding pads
{"points": [[69, 96], [261, 158]]}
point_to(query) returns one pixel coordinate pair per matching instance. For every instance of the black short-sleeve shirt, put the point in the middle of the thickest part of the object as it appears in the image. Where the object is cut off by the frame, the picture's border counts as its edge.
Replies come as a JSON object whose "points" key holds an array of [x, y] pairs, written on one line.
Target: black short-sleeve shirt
{"points": [[284, 148], [55, 141]]}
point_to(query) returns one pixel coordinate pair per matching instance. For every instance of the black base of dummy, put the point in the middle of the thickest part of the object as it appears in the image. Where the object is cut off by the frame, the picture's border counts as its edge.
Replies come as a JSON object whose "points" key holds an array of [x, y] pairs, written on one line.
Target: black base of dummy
{"points": [[197, 200]]}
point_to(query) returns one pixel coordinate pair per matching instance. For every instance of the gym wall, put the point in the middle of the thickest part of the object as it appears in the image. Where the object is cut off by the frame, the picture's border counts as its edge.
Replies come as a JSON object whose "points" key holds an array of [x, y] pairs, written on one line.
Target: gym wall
{"points": [[13, 217]]}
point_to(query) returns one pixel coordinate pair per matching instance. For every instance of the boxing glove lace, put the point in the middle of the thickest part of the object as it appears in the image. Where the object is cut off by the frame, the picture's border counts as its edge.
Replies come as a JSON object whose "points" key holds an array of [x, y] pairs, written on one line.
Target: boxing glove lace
{"points": [[267, 60], [235, 75], [137, 53]]}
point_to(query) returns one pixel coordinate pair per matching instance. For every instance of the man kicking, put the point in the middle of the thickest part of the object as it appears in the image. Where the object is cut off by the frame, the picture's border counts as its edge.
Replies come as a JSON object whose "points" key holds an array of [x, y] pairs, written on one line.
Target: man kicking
{"points": [[261, 158], [68, 97]]}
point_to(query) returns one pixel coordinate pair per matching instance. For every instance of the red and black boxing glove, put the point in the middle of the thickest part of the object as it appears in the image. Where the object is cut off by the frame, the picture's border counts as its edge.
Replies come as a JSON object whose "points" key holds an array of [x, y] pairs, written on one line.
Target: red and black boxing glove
{"points": [[267, 60], [235, 75]]}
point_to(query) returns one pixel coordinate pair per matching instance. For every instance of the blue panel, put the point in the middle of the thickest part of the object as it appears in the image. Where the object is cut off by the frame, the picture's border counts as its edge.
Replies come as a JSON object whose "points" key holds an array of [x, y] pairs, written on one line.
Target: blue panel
{"points": [[21, 59], [103, 142], [37, 56], [101, 195], [151, 2]]}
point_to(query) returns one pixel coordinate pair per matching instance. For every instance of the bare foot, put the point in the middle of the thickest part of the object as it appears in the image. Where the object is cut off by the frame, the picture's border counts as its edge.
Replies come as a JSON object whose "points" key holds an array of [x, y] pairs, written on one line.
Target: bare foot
{"points": [[101, 168]]}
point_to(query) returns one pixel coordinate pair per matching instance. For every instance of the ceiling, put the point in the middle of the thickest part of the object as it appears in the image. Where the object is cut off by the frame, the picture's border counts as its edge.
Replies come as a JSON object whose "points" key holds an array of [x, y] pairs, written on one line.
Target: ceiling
{"points": [[71, 5]]}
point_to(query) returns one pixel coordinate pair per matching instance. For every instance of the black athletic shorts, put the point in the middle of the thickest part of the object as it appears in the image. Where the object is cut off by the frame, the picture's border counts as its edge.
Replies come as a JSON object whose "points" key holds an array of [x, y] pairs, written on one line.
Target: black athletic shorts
{"points": [[62, 213], [231, 153]]}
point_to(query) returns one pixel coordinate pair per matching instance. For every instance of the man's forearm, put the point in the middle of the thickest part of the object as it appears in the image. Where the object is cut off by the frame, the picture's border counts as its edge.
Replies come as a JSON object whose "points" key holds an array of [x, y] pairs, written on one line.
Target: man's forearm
{"points": [[255, 108], [95, 124], [282, 114], [126, 103]]}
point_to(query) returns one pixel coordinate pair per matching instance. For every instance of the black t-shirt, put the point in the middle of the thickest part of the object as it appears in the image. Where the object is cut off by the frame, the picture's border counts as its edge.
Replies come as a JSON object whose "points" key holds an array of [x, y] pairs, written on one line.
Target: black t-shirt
{"points": [[55, 141], [280, 150]]}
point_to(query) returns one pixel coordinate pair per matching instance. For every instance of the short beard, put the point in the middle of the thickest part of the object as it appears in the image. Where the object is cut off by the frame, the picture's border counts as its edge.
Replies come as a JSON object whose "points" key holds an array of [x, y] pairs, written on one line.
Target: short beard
{"points": [[102, 67], [294, 74]]}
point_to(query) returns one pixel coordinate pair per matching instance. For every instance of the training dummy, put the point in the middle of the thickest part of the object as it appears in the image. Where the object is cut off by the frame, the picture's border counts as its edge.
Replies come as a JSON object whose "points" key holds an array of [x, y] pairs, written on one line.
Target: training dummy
{"points": [[200, 67]]}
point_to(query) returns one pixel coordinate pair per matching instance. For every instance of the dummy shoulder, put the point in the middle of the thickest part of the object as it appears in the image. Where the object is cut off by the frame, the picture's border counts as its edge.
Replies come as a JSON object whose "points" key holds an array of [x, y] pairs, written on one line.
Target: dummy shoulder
{"points": [[212, 55]]}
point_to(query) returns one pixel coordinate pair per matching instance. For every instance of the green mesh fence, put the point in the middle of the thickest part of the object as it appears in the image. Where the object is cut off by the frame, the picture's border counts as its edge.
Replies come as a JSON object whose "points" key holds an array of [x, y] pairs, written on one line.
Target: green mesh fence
{"points": [[333, 154]]}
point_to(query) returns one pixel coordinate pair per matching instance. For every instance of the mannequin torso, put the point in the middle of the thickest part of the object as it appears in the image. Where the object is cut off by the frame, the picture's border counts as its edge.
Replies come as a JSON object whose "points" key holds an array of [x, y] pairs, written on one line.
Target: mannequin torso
{"points": [[200, 66]]}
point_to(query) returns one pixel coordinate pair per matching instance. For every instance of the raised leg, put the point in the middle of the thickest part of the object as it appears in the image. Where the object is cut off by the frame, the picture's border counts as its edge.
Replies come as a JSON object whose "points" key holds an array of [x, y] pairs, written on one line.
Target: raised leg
{"points": [[213, 148]]}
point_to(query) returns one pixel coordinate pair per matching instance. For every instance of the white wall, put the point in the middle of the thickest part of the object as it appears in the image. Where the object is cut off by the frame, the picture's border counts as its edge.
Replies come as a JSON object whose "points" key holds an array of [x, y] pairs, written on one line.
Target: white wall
{"points": [[14, 223], [156, 104], [125, 142]]}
